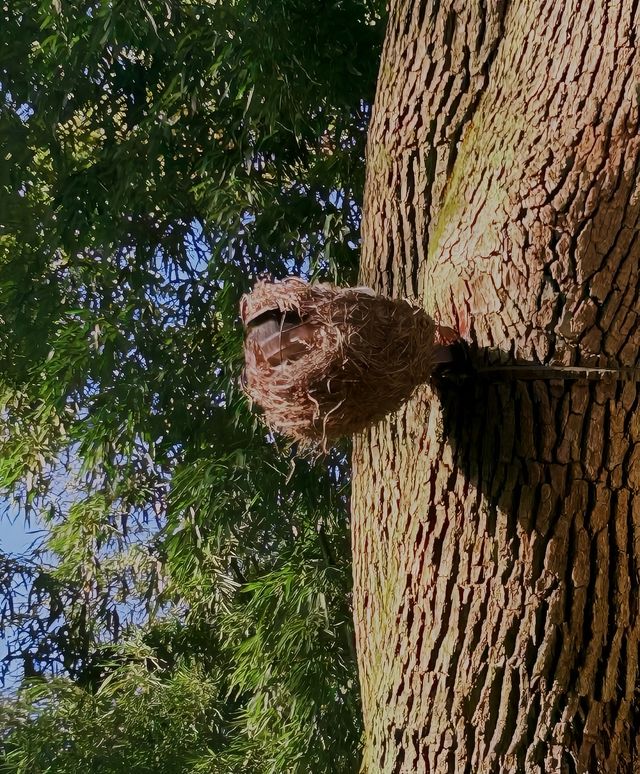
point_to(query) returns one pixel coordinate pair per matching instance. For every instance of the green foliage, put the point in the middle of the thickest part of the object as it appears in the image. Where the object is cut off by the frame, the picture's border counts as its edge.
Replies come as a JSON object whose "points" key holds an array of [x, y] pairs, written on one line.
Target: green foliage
{"points": [[187, 607], [138, 721]]}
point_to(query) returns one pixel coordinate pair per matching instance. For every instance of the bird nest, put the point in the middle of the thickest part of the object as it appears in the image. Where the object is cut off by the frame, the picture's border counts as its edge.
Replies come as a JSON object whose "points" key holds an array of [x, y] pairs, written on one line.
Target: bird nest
{"points": [[324, 361]]}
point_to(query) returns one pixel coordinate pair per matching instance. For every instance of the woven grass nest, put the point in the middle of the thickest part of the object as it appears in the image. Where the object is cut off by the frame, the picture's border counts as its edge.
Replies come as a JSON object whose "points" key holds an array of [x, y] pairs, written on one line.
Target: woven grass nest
{"points": [[324, 361]]}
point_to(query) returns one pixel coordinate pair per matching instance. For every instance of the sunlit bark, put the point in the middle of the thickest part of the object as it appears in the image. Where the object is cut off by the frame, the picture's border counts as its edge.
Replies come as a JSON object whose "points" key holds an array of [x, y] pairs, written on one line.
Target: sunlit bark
{"points": [[497, 522]]}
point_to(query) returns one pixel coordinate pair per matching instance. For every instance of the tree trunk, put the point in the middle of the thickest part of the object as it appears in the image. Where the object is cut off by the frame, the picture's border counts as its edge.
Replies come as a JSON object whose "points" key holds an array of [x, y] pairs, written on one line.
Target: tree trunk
{"points": [[497, 521]]}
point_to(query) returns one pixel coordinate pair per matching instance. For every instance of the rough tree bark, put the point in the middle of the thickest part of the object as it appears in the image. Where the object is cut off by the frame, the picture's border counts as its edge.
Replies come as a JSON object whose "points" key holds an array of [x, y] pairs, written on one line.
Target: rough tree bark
{"points": [[496, 521]]}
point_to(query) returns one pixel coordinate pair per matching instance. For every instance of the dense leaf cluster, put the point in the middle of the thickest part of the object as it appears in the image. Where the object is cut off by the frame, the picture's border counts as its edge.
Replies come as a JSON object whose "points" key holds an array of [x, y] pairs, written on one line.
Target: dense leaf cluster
{"points": [[187, 607]]}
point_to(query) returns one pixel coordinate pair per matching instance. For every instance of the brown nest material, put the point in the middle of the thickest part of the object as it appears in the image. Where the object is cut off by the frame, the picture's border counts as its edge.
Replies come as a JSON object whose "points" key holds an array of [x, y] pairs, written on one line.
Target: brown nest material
{"points": [[324, 361]]}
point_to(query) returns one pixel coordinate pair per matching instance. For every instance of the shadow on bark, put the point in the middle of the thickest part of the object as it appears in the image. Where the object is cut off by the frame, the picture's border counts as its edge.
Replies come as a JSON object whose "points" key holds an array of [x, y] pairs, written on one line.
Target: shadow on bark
{"points": [[550, 466]]}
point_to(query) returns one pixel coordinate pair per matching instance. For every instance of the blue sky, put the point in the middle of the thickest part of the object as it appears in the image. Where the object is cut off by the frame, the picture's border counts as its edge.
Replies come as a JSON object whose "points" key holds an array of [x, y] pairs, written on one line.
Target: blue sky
{"points": [[15, 538], [15, 535]]}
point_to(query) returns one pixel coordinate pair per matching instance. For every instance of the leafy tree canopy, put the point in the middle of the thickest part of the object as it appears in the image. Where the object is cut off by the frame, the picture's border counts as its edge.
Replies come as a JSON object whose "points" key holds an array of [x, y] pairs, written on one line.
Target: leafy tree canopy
{"points": [[186, 608]]}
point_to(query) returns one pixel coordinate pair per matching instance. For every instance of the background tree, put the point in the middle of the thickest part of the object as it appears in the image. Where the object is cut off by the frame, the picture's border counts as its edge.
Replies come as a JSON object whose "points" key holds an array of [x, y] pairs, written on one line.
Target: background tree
{"points": [[496, 522], [187, 608]]}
